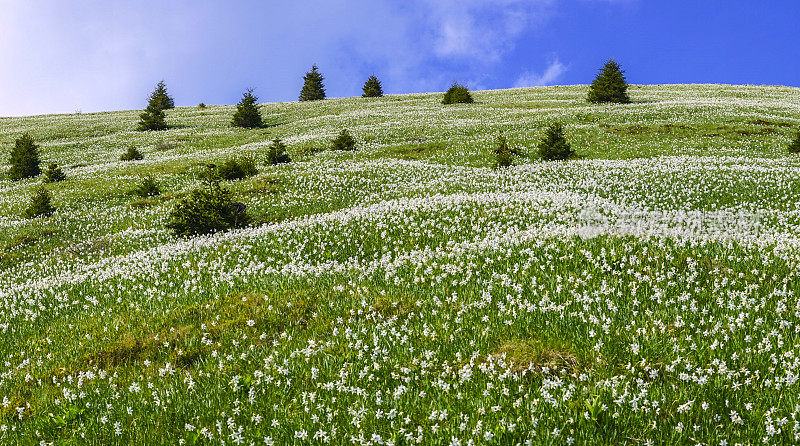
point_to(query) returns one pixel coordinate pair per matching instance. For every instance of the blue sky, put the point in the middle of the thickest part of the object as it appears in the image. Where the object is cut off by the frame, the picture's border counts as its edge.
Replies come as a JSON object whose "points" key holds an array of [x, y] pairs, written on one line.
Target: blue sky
{"points": [[62, 56]]}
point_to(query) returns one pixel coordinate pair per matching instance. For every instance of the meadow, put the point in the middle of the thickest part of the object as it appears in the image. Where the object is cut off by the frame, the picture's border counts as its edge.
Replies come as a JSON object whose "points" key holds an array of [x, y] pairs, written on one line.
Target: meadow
{"points": [[407, 292]]}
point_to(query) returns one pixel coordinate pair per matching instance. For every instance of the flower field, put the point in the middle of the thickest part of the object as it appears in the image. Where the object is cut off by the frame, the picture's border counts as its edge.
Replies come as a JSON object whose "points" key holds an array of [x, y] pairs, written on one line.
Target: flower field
{"points": [[407, 292]]}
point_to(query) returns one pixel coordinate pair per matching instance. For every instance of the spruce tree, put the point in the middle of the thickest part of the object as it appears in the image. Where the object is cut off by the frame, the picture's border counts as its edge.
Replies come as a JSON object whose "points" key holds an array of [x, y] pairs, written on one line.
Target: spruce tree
{"points": [[794, 147], [344, 141], [161, 98], [53, 174], [457, 94], [41, 204], [24, 159], [313, 88], [372, 88], [277, 153], [247, 113], [609, 85], [554, 146], [152, 119], [502, 153]]}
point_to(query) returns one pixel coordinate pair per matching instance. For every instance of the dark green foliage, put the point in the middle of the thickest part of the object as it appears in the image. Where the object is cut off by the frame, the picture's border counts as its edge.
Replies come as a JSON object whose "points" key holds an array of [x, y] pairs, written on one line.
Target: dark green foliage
{"points": [[502, 153], [207, 210], [247, 113], [53, 174], [236, 169], [344, 141], [201, 105], [152, 119], [24, 158], [132, 154], [276, 153], [372, 88], [147, 188], [457, 94], [41, 204], [609, 85], [794, 147], [160, 98], [554, 146], [313, 88]]}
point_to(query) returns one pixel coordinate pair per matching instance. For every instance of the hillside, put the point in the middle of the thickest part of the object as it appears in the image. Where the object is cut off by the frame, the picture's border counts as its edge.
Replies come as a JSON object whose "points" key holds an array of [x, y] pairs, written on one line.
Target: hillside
{"points": [[408, 293]]}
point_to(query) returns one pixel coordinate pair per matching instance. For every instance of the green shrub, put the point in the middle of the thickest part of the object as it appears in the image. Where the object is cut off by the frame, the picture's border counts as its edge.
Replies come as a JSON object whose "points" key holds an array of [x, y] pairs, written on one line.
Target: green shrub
{"points": [[554, 146], [207, 210], [147, 188], [201, 105], [237, 168], [41, 204], [313, 88], [344, 141], [161, 98], [276, 154], [609, 85], [131, 155], [372, 88], [24, 159], [53, 174], [794, 147], [502, 153], [247, 114], [457, 94]]}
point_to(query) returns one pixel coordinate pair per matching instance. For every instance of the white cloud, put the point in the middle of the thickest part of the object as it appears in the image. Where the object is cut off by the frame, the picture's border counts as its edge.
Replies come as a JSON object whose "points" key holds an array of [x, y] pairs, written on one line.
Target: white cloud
{"points": [[551, 74]]}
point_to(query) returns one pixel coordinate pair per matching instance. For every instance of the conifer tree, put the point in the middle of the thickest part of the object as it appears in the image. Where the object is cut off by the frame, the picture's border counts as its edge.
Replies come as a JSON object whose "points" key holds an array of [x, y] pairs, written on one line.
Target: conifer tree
{"points": [[161, 98], [372, 88], [152, 119], [277, 153], [554, 146], [344, 141], [41, 204], [24, 158], [502, 153], [457, 94], [247, 113], [313, 88], [794, 147], [609, 85], [53, 174]]}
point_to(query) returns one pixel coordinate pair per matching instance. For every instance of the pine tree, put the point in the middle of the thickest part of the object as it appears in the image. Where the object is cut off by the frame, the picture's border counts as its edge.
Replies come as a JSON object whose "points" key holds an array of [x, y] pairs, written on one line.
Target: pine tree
{"points": [[794, 147], [152, 119], [313, 88], [554, 146], [457, 94], [277, 153], [247, 113], [344, 141], [502, 153], [372, 88], [161, 98], [609, 85], [41, 204], [133, 154], [24, 158], [53, 174]]}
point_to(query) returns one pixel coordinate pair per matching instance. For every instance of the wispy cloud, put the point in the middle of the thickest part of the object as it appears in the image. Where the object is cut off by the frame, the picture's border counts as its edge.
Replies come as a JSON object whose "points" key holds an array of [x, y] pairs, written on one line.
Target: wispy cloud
{"points": [[551, 74]]}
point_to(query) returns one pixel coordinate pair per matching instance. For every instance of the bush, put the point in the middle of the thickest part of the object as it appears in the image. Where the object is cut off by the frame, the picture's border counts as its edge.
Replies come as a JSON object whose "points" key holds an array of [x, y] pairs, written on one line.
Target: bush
{"points": [[41, 204], [554, 146], [794, 147], [53, 174], [132, 154], [344, 141], [502, 153], [201, 105], [372, 88], [147, 188], [236, 169], [457, 94], [24, 159], [276, 153], [313, 88], [609, 85], [247, 113], [207, 210]]}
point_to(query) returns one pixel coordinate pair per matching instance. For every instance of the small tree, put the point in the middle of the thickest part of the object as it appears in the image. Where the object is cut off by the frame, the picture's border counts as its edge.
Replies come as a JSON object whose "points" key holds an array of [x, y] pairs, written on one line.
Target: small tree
{"points": [[24, 159], [247, 113], [160, 98], [153, 118], [457, 94], [794, 147], [53, 174], [372, 88], [41, 204], [344, 141], [313, 88], [609, 85], [502, 153], [276, 153], [236, 169], [207, 209], [132, 154], [554, 146], [147, 188]]}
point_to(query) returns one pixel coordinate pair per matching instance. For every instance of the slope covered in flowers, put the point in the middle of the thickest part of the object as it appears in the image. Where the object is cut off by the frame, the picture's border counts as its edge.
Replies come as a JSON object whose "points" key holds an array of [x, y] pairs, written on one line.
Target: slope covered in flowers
{"points": [[408, 293]]}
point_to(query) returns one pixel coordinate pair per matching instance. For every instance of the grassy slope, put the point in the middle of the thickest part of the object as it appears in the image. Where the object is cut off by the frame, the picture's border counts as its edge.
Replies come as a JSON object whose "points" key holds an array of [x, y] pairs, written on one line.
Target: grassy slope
{"points": [[408, 278]]}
